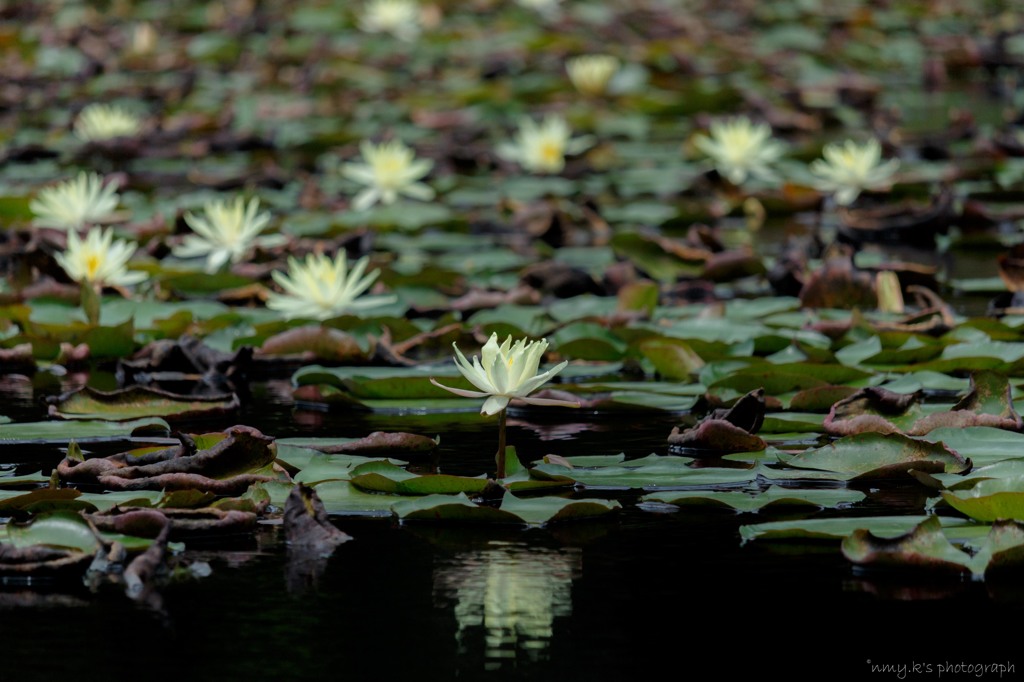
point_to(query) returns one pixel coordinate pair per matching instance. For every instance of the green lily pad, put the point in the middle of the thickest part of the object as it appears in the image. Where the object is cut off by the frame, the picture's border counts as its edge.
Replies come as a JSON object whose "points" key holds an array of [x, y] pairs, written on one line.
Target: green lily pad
{"points": [[83, 431], [532, 511], [923, 548], [664, 473], [992, 499], [384, 477], [58, 529], [774, 496], [838, 528], [874, 455], [136, 402]]}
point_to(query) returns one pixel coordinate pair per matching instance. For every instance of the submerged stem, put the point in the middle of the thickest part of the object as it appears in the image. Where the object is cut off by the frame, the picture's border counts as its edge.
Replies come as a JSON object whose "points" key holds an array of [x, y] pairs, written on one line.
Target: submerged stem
{"points": [[501, 444]]}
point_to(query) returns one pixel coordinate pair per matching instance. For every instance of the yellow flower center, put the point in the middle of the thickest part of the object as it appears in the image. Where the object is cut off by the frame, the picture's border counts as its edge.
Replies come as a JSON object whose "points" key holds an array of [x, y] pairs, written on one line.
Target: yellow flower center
{"points": [[92, 265], [551, 152]]}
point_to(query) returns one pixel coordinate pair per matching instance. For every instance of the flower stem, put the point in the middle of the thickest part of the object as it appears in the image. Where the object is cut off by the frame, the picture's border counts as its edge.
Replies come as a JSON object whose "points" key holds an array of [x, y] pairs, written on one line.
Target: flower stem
{"points": [[91, 302], [501, 444]]}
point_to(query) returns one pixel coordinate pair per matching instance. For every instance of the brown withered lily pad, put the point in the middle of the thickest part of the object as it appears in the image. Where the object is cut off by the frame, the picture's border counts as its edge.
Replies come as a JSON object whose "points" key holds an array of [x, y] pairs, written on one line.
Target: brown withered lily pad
{"points": [[17, 360], [226, 468], [136, 402], [838, 284], [187, 359], [313, 342], [148, 523], [311, 538], [725, 431], [880, 219], [381, 443], [878, 410], [40, 560]]}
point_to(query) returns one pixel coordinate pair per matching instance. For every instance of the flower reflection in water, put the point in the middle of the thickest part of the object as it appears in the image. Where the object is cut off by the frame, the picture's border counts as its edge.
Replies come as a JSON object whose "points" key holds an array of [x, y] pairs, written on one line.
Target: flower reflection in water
{"points": [[510, 593]]}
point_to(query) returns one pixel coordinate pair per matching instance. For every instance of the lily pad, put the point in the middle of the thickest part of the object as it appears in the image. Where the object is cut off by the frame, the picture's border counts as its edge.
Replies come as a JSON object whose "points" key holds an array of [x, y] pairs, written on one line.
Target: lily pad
{"points": [[774, 496], [874, 455], [136, 402], [925, 547], [839, 528]]}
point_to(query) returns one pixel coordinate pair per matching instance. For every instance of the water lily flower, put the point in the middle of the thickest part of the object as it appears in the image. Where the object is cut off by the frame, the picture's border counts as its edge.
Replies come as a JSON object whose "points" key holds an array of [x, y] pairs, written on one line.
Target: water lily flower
{"points": [[400, 18], [99, 259], [740, 149], [591, 73], [849, 168], [542, 148], [390, 169], [225, 233], [545, 7], [98, 122], [506, 371], [320, 287], [72, 204]]}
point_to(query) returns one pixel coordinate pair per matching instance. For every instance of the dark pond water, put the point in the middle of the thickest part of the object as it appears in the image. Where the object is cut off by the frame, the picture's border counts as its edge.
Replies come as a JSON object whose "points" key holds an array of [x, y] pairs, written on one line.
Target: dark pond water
{"points": [[672, 594]]}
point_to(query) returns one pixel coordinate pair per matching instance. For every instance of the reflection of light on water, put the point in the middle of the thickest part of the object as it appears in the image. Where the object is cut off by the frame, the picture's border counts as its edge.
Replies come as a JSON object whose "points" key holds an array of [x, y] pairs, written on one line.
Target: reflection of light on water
{"points": [[510, 592]]}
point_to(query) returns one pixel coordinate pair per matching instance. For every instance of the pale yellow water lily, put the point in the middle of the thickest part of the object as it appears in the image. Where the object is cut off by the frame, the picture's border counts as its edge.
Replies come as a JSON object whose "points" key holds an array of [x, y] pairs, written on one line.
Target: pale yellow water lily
{"points": [[390, 169], [591, 73], [320, 287], [226, 232], [542, 148], [741, 149], [75, 203], [98, 122], [99, 259], [849, 168], [505, 372], [549, 8], [400, 18]]}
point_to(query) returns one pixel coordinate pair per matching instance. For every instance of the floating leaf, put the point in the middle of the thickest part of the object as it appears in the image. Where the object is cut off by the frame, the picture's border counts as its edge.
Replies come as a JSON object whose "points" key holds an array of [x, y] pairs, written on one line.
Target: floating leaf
{"points": [[838, 528], [384, 477], [924, 547], [135, 402], [774, 496], [874, 455], [58, 529], [992, 499]]}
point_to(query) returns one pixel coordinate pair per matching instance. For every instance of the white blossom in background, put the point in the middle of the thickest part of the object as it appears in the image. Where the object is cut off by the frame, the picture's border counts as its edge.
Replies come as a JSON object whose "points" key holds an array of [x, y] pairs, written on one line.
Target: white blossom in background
{"points": [[226, 231], [542, 148], [400, 18], [73, 204], [98, 122], [546, 8], [741, 149], [848, 168], [99, 259], [320, 287], [389, 169], [591, 73]]}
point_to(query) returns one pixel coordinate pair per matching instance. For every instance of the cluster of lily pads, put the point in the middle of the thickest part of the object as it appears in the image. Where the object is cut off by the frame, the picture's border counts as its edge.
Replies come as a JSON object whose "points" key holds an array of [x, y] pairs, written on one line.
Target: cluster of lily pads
{"points": [[802, 375]]}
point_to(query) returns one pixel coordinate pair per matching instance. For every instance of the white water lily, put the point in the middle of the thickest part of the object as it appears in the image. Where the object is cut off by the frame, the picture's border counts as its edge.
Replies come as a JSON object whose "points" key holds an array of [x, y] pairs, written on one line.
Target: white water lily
{"points": [[542, 148], [547, 8], [740, 149], [99, 259], [226, 232], [98, 122], [321, 288], [400, 18], [390, 169], [505, 372], [591, 73], [75, 203], [849, 168]]}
